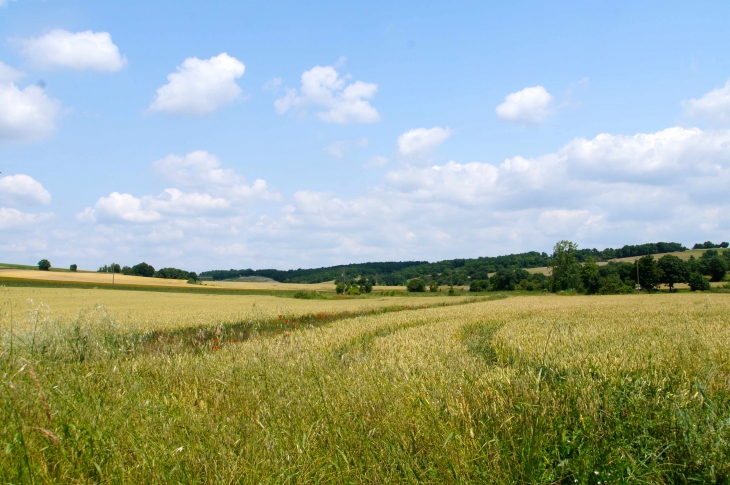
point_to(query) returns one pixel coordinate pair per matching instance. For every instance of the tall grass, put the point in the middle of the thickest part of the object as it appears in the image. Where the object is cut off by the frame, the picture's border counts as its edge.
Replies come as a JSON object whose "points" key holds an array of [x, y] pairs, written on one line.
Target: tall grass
{"points": [[520, 390]]}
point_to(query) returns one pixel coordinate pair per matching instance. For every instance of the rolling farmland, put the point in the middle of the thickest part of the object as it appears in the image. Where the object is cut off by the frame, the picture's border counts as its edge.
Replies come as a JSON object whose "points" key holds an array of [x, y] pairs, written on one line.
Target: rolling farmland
{"points": [[158, 388]]}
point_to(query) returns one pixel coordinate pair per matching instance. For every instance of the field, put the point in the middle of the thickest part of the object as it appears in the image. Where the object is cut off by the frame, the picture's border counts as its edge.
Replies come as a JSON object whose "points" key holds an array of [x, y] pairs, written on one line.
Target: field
{"points": [[105, 279], [147, 387]]}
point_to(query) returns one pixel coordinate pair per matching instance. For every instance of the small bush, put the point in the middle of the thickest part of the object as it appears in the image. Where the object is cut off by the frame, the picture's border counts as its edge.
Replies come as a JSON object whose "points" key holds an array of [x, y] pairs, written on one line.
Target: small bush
{"points": [[306, 295], [416, 285], [697, 282], [353, 290]]}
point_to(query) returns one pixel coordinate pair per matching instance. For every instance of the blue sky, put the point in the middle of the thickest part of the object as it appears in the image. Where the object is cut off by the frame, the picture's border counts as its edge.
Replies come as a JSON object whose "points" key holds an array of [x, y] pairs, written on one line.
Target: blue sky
{"points": [[290, 134]]}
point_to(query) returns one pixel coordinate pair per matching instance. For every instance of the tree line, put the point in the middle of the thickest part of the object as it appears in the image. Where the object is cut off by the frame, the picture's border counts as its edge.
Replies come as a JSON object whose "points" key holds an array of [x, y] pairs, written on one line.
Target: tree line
{"points": [[148, 271], [453, 271]]}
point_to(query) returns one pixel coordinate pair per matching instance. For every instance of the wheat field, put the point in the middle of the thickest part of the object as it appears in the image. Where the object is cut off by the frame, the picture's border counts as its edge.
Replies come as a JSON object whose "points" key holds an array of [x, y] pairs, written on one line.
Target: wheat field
{"points": [[533, 389]]}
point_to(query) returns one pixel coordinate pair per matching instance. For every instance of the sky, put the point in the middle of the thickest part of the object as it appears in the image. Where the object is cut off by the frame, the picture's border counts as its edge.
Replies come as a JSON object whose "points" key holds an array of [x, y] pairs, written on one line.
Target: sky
{"points": [[216, 135]]}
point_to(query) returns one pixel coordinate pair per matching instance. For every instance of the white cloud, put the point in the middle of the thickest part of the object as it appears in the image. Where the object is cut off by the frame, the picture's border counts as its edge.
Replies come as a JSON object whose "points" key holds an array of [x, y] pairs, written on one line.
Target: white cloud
{"points": [[9, 74], [200, 86], [323, 87], [15, 219], [121, 207], [273, 85], [202, 170], [22, 189], [714, 105], [79, 50], [422, 140], [213, 192], [26, 114], [529, 106]]}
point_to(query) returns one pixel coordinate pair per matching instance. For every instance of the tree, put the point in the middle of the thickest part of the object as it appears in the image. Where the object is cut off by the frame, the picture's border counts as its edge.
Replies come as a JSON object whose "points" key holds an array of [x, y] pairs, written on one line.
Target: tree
{"points": [[142, 269], [416, 285], [674, 270], [649, 274], [340, 288], [73, 267], [565, 267], [44, 265], [433, 286], [506, 279], [697, 282], [365, 284], [714, 266], [590, 275]]}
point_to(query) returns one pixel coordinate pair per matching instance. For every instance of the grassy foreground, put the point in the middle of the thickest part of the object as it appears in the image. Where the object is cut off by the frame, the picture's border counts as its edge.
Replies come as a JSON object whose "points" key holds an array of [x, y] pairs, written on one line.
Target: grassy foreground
{"points": [[545, 389]]}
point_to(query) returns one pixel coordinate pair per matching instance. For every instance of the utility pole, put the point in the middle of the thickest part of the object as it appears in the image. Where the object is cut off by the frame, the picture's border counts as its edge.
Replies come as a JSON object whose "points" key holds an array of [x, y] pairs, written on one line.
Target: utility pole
{"points": [[112, 273], [638, 281], [344, 284]]}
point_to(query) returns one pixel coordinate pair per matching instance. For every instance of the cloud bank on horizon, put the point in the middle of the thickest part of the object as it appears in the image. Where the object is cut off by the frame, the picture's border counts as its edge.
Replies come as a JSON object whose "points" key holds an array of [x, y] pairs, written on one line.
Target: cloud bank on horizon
{"points": [[209, 187]]}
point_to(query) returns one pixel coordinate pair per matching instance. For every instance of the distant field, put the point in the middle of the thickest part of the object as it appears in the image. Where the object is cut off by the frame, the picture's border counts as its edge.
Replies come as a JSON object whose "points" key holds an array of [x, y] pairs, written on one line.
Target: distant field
{"points": [[148, 387], [685, 255], [122, 280]]}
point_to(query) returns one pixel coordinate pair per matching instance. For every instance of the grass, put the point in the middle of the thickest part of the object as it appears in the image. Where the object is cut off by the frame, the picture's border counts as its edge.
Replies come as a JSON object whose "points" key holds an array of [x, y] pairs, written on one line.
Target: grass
{"points": [[535, 389]]}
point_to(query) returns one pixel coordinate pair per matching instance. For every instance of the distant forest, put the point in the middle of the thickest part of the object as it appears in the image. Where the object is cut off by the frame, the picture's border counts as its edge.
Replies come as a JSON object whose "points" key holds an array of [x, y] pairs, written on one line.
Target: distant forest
{"points": [[460, 271]]}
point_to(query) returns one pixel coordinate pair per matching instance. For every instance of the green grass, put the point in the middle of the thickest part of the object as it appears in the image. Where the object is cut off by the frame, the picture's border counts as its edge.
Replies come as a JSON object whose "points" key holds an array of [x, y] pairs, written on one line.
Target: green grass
{"points": [[624, 389], [35, 268]]}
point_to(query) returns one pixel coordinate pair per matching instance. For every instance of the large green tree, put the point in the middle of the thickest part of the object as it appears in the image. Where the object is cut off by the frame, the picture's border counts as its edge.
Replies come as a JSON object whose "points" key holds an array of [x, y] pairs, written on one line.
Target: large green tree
{"points": [[590, 275], [44, 265], [649, 273], [565, 267], [673, 270]]}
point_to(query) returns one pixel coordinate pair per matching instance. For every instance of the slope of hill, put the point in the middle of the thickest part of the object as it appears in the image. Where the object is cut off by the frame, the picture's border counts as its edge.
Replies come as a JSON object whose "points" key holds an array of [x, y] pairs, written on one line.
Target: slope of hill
{"points": [[458, 271]]}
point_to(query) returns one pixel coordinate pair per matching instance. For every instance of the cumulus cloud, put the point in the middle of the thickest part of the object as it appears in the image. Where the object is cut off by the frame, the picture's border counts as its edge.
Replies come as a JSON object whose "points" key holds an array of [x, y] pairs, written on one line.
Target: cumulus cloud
{"points": [[529, 106], [22, 189], [26, 114], [714, 106], [74, 50], [202, 170], [10, 74], [122, 207], [211, 191], [200, 86], [323, 87], [15, 219], [422, 140], [649, 186], [127, 208]]}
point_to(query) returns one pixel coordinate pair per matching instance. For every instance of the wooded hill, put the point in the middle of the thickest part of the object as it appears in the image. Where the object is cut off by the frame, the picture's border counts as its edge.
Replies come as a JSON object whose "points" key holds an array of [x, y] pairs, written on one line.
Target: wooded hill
{"points": [[461, 270]]}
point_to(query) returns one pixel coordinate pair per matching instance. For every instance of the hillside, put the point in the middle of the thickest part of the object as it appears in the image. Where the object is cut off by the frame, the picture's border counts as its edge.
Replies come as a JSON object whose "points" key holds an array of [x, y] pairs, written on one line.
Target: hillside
{"points": [[460, 271]]}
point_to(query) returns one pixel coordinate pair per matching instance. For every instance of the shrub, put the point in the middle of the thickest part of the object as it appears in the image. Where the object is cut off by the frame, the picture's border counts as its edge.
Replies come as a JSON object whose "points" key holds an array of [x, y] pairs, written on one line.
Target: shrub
{"points": [[143, 269], [416, 285], [697, 282], [176, 274], [340, 288], [433, 286], [612, 285], [44, 265], [478, 285], [73, 267], [353, 290]]}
